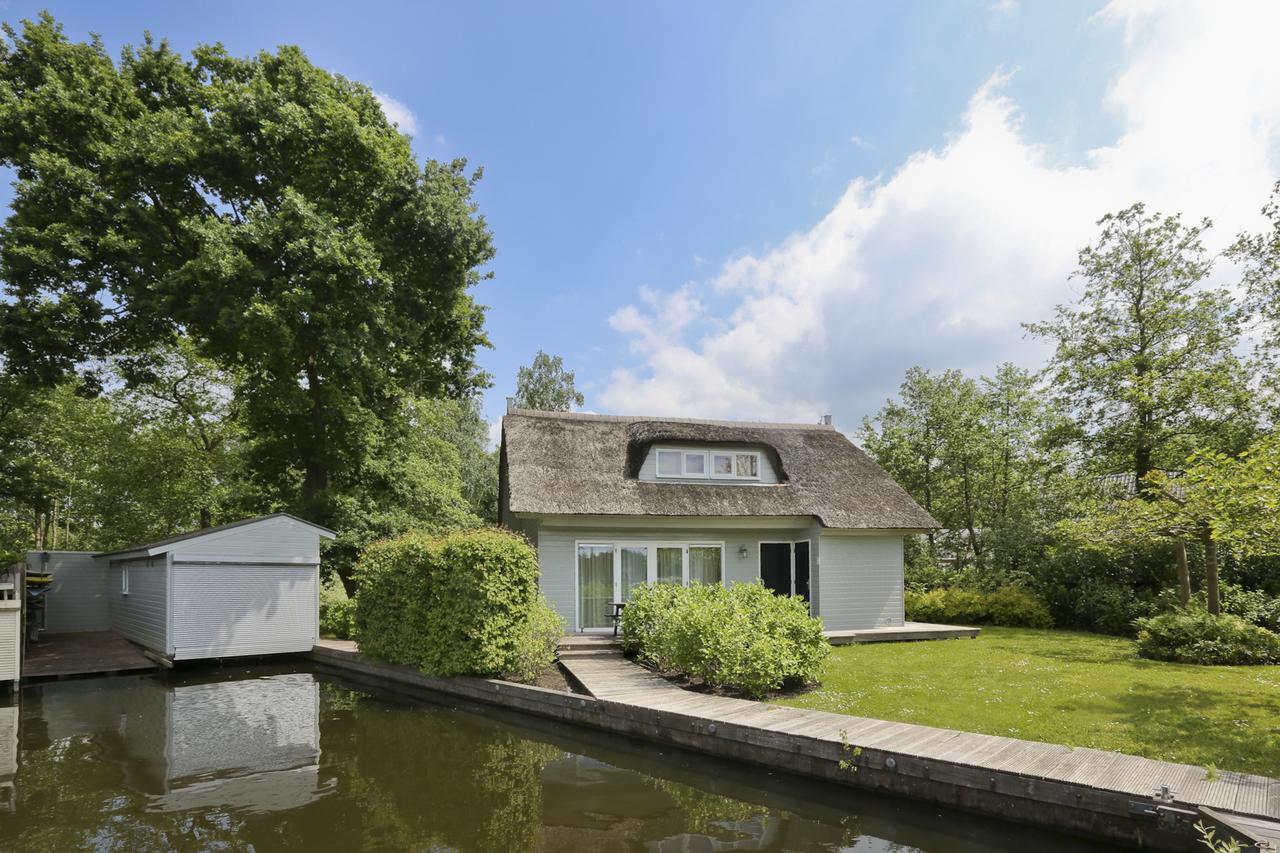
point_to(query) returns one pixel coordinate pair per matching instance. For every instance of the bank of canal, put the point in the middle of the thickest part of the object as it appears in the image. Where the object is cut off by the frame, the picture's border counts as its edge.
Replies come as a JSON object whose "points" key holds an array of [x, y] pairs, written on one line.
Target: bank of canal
{"points": [[278, 757]]}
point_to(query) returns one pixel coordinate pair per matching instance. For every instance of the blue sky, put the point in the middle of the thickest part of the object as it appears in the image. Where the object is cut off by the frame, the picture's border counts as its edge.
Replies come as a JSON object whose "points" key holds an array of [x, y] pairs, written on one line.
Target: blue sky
{"points": [[771, 210]]}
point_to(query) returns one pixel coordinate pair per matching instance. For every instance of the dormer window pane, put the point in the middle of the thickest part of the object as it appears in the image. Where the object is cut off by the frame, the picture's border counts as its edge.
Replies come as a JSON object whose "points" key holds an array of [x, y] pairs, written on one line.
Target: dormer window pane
{"points": [[695, 464], [722, 464], [668, 463], [747, 465]]}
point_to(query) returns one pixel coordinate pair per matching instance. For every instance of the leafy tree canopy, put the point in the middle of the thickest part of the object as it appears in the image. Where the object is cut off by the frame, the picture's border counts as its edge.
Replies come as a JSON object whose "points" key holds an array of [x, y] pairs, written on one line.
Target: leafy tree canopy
{"points": [[261, 207], [546, 386], [1145, 360]]}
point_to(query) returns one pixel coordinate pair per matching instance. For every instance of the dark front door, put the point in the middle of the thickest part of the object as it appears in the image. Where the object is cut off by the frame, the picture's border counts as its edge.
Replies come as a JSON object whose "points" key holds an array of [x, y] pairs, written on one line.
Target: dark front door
{"points": [[775, 566], [802, 570]]}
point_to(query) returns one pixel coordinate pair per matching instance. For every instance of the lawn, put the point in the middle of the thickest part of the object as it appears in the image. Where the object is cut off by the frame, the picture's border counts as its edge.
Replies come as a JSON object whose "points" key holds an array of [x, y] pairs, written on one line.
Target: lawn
{"points": [[1063, 687]]}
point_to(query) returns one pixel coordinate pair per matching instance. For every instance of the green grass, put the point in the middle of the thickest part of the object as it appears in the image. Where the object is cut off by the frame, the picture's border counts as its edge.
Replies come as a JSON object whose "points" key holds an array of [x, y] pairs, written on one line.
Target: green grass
{"points": [[1063, 687]]}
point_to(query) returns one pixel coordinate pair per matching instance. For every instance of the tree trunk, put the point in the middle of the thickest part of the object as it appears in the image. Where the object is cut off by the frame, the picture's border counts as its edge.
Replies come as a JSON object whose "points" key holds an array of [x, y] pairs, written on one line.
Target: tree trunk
{"points": [[348, 581], [206, 518], [1184, 574], [972, 526], [1211, 573], [315, 465], [1141, 468]]}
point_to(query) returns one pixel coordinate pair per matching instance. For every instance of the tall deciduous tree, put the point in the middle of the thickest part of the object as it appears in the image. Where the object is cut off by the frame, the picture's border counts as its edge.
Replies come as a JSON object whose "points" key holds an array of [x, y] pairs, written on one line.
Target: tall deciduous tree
{"points": [[970, 452], [545, 385], [1145, 359], [175, 390], [260, 206], [1259, 257], [907, 438]]}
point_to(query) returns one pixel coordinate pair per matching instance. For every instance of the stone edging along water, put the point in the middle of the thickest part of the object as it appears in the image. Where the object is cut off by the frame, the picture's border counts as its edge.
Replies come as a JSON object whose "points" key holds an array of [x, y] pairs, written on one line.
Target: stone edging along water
{"points": [[817, 751]]}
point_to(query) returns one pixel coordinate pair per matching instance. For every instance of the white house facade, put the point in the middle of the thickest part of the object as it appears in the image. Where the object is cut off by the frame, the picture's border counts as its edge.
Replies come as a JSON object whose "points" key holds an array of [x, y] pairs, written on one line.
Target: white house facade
{"points": [[611, 502]]}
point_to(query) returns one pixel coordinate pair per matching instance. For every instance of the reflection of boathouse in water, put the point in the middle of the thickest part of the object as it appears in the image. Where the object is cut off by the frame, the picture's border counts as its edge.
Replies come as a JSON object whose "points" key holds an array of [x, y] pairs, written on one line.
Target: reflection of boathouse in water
{"points": [[8, 757], [251, 744]]}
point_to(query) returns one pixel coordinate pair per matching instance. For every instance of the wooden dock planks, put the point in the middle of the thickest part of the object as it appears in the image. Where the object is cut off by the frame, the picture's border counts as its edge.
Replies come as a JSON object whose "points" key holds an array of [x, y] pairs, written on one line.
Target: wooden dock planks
{"points": [[83, 653]]}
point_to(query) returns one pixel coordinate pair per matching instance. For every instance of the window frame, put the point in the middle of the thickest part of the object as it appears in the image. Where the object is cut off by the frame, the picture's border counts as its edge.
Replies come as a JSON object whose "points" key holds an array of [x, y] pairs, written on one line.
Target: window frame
{"points": [[708, 464], [652, 546], [124, 579]]}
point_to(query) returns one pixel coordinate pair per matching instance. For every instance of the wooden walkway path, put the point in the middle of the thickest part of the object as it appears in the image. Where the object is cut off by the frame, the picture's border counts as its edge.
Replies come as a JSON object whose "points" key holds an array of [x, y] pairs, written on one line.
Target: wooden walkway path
{"points": [[983, 762]]}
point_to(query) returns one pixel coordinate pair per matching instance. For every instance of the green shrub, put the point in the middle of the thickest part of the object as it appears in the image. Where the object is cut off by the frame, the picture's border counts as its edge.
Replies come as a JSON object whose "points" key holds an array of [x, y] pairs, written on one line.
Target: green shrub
{"points": [[1197, 636], [337, 614], [537, 641], [1007, 605], [1252, 605], [1016, 607], [743, 638], [464, 603], [1104, 593], [642, 618]]}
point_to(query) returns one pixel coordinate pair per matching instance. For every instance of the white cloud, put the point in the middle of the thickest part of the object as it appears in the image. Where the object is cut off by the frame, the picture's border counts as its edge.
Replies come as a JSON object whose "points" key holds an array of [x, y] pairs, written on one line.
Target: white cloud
{"points": [[1002, 8], [397, 113], [940, 262], [859, 142]]}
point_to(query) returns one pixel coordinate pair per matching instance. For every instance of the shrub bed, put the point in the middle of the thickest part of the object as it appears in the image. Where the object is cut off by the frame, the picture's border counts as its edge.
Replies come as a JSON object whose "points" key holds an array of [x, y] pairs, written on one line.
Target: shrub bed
{"points": [[742, 638], [1251, 605], [1197, 636], [1007, 605], [465, 603]]}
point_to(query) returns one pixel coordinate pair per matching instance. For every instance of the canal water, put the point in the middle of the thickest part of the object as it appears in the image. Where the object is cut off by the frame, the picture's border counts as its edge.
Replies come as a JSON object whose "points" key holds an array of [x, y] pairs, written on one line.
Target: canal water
{"points": [[281, 758]]}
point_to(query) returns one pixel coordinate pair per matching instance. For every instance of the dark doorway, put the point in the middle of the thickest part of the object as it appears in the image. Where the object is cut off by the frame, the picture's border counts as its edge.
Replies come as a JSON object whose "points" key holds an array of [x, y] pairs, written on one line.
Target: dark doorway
{"points": [[802, 570], [775, 566]]}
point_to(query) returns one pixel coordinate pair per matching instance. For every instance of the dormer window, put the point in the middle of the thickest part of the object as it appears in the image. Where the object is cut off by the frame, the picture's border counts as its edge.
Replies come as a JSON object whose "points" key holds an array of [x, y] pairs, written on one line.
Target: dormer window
{"points": [[681, 463]]}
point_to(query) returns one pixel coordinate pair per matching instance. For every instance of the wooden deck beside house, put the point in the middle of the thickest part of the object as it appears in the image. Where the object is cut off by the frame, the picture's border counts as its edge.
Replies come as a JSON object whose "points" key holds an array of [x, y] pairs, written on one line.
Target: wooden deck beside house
{"points": [[83, 653]]}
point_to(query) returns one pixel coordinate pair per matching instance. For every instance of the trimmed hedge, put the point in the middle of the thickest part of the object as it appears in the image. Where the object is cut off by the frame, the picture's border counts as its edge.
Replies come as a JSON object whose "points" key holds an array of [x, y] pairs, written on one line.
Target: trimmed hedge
{"points": [[1007, 605], [1197, 636], [464, 603], [742, 638]]}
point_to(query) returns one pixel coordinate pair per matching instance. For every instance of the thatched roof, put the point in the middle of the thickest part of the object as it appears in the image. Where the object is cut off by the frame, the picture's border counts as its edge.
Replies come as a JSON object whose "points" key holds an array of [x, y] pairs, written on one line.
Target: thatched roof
{"points": [[557, 463]]}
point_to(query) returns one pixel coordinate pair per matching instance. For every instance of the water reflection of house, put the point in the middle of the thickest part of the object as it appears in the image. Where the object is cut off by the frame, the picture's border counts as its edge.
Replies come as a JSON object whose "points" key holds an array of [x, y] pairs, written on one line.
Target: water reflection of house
{"points": [[251, 744], [8, 756]]}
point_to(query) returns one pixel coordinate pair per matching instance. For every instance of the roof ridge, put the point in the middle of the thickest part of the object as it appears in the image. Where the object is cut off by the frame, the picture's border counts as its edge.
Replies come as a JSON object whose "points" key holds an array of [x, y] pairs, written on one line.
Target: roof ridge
{"points": [[634, 419]]}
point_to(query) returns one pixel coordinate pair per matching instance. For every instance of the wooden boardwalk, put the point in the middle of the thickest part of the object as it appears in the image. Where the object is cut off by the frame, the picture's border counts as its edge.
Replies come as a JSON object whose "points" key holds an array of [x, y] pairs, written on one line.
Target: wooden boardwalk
{"points": [[1050, 772]]}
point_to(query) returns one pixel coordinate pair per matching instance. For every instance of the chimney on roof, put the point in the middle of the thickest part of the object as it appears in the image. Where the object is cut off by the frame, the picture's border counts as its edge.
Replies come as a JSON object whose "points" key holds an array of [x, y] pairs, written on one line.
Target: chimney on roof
{"points": [[825, 420], [511, 405]]}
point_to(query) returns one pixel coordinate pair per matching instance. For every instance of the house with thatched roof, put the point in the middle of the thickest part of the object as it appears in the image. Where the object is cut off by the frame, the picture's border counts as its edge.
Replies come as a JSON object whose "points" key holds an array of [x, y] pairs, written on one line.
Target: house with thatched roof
{"points": [[612, 502]]}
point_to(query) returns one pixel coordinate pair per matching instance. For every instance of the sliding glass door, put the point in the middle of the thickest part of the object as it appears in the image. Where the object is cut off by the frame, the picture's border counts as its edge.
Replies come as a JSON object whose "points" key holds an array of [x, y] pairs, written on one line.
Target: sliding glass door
{"points": [[595, 586], [608, 573], [705, 564], [634, 561], [670, 564]]}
